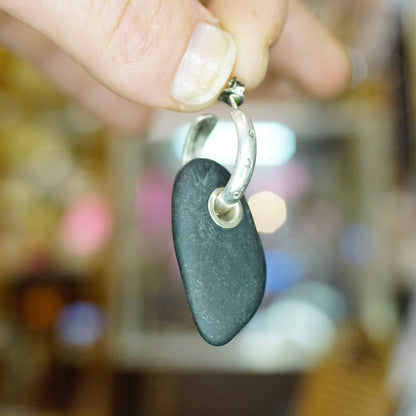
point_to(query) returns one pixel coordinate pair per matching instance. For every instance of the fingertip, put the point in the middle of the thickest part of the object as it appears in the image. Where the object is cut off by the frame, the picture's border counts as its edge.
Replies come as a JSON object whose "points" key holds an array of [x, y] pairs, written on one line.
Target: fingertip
{"points": [[308, 55], [251, 66], [254, 26], [331, 76], [343, 70]]}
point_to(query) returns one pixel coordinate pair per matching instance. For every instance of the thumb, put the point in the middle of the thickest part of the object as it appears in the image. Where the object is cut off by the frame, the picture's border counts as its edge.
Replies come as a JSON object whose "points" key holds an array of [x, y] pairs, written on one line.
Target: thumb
{"points": [[159, 53]]}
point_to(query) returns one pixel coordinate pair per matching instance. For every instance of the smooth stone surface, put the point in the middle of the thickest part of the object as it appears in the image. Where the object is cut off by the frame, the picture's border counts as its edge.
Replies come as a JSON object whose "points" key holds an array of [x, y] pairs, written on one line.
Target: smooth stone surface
{"points": [[223, 270]]}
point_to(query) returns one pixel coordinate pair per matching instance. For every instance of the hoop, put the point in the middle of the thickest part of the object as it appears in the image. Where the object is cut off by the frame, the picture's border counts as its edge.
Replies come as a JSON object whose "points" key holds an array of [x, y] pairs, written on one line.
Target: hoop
{"points": [[223, 201]]}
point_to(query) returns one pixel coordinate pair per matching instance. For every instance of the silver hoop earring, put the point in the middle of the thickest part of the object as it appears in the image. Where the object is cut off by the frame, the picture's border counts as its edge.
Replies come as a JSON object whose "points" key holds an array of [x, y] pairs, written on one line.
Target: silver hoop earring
{"points": [[224, 203]]}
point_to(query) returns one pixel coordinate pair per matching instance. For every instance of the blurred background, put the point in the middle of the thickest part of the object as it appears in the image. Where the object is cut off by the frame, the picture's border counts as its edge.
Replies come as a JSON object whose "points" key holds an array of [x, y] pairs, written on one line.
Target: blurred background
{"points": [[93, 316]]}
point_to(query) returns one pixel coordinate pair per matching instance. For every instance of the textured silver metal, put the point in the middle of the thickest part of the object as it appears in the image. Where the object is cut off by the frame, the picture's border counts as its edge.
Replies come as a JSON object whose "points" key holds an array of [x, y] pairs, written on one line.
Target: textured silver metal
{"points": [[227, 198], [197, 135], [244, 162]]}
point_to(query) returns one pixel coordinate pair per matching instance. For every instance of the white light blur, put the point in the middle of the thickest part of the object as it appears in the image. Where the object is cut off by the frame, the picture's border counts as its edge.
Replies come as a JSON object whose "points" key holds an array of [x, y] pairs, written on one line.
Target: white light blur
{"points": [[268, 210], [297, 327], [276, 143], [288, 327]]}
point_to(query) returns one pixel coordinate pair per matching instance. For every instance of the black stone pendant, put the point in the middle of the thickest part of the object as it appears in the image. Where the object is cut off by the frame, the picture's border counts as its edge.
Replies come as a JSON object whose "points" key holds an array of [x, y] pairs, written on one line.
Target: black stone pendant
{"points": [[223, 270]]}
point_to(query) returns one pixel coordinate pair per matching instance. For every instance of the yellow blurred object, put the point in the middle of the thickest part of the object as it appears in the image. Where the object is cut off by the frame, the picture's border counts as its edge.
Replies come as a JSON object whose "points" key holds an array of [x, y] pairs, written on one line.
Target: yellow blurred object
{"points": [[27, 81], [351, 381], [42, 221], [269, 211], [24, 139]]}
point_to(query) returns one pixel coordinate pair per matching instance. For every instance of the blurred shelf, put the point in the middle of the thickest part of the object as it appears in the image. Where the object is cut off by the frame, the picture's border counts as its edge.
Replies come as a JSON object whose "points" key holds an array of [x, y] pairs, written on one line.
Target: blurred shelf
{"points": [[184, 351]]}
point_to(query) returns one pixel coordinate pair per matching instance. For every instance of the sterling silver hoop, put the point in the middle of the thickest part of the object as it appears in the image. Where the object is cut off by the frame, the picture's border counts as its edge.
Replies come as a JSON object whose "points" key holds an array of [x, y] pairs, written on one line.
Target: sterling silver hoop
{"points": [[224, 203]]}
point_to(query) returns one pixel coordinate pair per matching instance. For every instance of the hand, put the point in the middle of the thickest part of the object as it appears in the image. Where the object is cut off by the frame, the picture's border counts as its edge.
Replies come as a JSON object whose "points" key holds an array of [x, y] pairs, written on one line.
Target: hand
{"points": [[171, 54]]}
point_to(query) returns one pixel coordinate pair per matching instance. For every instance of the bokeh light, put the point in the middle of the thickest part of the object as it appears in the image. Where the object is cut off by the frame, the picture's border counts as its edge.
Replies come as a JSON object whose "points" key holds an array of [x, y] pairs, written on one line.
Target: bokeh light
{"points": [[268, 210], [291, 181], [81, 324], [284, 270], [153, 200], [40, 307], [86, 225], [303, 321]]}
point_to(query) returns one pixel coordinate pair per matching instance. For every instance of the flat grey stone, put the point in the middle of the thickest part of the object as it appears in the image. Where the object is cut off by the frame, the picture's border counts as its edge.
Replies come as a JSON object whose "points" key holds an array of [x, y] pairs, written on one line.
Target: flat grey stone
{"points": [[223, 270]]}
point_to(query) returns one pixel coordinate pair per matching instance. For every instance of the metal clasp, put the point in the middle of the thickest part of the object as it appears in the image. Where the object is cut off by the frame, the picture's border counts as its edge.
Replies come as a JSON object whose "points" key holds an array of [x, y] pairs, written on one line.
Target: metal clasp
{"points": [[224, 203]]}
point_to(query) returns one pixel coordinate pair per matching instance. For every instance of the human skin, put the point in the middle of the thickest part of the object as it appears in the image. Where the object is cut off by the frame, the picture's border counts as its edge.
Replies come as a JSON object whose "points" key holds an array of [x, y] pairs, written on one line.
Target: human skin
{"points": [[118, 58]]}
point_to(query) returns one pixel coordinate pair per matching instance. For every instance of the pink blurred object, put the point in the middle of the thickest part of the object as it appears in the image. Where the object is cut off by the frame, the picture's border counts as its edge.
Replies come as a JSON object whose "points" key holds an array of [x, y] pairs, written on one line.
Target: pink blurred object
{"points": [[153, 201], [290, 181], [86, 225]]}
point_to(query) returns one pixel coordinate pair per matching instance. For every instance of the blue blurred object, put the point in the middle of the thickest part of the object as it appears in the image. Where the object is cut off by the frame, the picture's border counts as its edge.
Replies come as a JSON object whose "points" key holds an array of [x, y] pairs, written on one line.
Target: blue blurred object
{"points": [[284, 270], [81, 324]]}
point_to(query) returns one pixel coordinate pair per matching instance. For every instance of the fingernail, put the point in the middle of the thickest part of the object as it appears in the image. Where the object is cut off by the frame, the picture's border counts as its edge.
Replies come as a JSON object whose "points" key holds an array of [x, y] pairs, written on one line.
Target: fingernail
{"points": [[205, 67]]}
